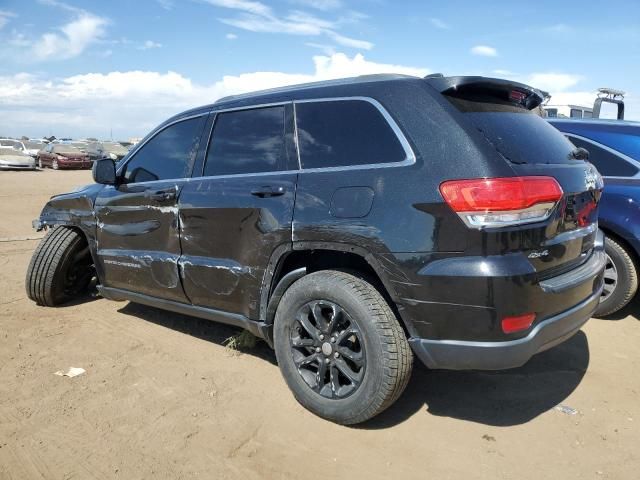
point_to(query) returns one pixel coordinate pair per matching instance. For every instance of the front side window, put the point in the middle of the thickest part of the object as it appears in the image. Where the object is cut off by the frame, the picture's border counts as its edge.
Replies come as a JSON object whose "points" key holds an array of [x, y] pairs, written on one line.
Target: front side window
{"points": [[608, 163], [247, 141], [169, 154], [344, 133]]}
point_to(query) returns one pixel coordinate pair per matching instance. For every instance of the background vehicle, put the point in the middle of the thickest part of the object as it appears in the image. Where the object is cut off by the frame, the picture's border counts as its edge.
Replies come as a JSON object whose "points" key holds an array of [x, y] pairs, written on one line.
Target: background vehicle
{"points": [[33, 147], [11, 143], [113, 150], [61, 155], [614, 148], [10, 158], [346, 223], [568, 111]]}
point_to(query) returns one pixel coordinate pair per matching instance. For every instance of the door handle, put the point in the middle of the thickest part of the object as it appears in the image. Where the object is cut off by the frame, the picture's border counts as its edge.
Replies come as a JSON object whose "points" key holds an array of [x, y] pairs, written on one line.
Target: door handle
{"points": [[160, 195], [267, 191]]}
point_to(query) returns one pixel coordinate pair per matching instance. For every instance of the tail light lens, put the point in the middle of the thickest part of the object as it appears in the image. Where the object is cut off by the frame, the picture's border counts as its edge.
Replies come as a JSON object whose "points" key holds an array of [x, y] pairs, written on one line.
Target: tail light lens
{"points": [[499, 202], [518, 323]]}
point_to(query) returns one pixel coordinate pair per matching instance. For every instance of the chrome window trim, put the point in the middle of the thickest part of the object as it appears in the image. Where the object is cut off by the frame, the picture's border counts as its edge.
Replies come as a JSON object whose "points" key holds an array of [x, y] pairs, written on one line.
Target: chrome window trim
{"points": [[410, 157], [134, 152], [613, 151]]}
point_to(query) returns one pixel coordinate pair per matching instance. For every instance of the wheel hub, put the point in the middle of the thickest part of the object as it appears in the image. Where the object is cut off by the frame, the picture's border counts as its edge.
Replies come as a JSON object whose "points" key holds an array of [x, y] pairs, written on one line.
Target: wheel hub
{"points": [[327, 348]]}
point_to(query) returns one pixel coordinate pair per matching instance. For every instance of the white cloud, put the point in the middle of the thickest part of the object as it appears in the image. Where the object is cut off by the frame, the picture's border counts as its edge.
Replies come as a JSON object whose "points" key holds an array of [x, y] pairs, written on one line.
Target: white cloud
{"points": [[320, 4], [5, 15], [484, 51], [166, 4], [134, 102], [504, 73], [438, 23], [231, 36], [149, 44], [258, 17], [71, 40], [555, 82]]}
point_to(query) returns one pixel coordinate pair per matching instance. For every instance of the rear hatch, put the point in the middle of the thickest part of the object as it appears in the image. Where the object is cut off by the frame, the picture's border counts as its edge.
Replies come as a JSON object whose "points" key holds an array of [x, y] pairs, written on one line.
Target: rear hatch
{"points": [[507, 115]]}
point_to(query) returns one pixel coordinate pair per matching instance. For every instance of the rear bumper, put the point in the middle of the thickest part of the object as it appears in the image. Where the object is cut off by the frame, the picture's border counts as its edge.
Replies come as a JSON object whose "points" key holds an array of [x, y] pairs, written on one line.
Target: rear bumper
{"points": [[466, 355]]}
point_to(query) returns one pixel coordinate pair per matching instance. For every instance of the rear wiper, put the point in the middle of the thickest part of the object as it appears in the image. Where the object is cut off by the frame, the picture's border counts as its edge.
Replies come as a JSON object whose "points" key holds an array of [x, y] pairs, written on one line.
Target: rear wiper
{"points": [[579, 154]]}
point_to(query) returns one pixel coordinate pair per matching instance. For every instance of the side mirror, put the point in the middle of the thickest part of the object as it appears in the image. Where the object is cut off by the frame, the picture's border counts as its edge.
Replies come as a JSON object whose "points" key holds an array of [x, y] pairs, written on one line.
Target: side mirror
{"points": [[104, 171]]}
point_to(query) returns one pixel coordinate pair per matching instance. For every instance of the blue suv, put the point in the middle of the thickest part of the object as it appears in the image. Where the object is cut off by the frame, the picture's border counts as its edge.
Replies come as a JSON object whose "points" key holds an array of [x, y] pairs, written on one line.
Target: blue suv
{"points": [[614, 148]]}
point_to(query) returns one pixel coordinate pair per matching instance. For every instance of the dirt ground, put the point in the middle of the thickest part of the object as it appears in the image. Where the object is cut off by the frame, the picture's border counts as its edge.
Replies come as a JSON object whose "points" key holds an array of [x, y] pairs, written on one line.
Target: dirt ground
{"points": [[162, 397]]}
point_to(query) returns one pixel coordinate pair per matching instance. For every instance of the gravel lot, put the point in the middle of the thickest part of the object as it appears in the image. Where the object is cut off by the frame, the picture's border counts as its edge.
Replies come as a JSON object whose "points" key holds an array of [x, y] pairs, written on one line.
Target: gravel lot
{"points": [[163, 398]]}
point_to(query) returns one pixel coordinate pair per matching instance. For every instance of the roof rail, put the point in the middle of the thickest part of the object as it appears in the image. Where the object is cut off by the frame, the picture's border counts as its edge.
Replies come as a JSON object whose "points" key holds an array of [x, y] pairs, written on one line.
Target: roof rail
{"points": [[375, 77]]}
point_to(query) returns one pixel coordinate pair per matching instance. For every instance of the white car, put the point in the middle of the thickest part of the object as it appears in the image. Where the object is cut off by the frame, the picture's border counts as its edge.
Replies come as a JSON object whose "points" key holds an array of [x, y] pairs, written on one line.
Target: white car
{"points": [[12, 143], [14, 159]]}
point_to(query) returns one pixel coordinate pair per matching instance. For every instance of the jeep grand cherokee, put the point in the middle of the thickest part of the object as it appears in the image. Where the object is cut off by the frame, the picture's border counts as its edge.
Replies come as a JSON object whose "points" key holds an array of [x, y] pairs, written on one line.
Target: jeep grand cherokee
{"points": [[351, 224]]}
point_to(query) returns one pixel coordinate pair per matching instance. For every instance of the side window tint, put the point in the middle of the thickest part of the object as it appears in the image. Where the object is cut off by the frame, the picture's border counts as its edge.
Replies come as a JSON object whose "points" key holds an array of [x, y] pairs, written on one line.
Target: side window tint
{"points": [[608, 163], [345, 132], [247, 141], [169, 154]]}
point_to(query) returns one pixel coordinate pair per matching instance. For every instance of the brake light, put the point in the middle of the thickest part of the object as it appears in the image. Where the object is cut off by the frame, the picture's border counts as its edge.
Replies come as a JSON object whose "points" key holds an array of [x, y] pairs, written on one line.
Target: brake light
{"points": [[517, 323], [497, 202]]}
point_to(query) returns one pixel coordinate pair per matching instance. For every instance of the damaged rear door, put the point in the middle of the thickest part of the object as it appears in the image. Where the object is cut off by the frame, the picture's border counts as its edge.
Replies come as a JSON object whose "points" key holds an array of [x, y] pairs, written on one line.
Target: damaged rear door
{"points": [[138, 225], [239, 209]]}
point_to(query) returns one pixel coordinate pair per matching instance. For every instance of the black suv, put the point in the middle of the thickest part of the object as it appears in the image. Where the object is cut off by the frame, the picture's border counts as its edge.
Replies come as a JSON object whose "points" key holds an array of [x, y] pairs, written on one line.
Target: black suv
{"points": [[347, 223]]}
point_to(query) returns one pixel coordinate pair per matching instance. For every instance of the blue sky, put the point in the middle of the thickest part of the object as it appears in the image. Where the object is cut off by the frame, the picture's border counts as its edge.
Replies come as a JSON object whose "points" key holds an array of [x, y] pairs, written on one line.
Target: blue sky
{"points": [[79, 68]]}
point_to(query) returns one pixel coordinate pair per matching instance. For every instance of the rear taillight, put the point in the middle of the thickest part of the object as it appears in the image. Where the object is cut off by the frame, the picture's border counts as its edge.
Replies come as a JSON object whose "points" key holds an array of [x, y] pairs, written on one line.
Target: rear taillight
{"points": [[499, 202], [517, 323]]}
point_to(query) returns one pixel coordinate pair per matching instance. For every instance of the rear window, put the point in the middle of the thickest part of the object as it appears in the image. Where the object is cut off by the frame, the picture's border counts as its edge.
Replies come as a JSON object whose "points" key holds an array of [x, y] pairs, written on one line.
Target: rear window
{"points": [[343, 133], [520, 135]]}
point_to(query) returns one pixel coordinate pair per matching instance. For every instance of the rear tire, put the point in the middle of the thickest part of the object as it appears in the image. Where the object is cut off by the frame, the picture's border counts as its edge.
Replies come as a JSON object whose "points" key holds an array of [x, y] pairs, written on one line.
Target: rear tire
{"points": [[621, 279], [60, 268], [356, 363]]}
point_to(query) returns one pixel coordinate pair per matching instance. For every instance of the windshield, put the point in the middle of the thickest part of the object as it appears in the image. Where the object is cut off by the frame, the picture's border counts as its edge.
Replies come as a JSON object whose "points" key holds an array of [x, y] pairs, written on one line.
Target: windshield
{"points": [[66, 149], [33, 145], [11, 143], [6, 151]]}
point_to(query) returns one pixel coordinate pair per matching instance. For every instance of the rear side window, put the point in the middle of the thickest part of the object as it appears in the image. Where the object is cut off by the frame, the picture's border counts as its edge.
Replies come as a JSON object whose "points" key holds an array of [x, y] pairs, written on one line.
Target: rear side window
{"points": [[344, 133], [608, 163], [247, 141], [169, 154]]}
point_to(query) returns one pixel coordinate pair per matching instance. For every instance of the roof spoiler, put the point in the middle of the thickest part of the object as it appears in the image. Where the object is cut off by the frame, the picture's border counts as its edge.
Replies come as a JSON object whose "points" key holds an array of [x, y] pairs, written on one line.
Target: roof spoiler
{"points": [[528, 96], [609, 95]]}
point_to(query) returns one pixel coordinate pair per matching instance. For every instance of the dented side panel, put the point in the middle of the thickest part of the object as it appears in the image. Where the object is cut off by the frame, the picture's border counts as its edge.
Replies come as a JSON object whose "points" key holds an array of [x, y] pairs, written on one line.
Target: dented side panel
{"points": [[228, 236], [138, 239]]}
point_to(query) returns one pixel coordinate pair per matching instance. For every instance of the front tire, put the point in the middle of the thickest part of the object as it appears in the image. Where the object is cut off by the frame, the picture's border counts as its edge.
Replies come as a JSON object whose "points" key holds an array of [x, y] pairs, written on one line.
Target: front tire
{"points": [[340, 347], [620, 279], [60, 268], [40, 166]]}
